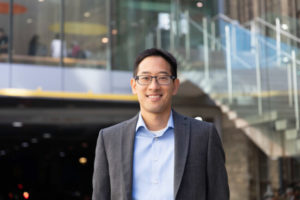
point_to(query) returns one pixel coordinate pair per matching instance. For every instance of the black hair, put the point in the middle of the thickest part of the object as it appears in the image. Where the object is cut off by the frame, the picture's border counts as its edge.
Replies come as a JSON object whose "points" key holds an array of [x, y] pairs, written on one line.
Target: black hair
{"points": [[156, 52]]}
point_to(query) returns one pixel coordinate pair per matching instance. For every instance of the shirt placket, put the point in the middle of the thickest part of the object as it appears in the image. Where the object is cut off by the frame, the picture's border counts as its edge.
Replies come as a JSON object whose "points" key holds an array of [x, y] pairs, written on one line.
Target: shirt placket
{"points": [[155, 168]]}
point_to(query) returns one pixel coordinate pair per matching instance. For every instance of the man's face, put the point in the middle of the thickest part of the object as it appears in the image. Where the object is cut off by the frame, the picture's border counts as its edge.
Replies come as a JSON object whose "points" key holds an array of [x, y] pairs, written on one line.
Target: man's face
{"points": [[154, 98]]}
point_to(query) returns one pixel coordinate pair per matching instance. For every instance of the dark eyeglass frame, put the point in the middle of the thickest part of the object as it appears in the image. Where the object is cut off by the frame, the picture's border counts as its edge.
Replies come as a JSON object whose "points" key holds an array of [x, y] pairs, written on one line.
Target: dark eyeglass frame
{"points": [[155, 77]]}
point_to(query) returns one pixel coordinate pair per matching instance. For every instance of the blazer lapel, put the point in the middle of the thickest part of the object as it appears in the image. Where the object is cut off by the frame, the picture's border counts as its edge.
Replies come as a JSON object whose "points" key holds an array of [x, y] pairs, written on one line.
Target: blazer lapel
{"points": [[128, 135], [182, 137]]}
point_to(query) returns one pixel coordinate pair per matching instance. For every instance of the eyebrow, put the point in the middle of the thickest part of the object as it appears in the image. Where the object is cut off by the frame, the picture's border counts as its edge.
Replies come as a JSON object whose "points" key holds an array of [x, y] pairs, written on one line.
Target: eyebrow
{"points": [[161, 72]]}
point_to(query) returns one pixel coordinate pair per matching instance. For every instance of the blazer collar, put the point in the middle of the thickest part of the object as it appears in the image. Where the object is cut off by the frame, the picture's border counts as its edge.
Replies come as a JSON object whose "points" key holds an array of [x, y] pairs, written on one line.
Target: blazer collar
{"points": [[128, 135], [182, 138]]}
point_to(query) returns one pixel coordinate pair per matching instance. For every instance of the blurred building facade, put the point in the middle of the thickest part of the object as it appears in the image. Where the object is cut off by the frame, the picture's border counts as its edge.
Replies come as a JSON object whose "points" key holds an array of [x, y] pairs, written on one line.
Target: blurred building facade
{"points": [[238, 64]]}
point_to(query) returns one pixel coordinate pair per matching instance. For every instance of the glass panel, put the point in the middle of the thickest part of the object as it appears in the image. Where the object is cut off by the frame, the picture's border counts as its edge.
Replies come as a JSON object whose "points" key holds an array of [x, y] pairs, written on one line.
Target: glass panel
{"points": [[4, 28], [35, 22], [86, 33], [136, 27]]}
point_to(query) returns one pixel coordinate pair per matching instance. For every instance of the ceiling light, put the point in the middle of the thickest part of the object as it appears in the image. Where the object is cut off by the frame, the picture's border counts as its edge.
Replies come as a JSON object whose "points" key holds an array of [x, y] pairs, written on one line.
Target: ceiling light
{"points": [[199, 4], [41, 0], [2, 153], [199, 118], [25, 144], [87, 14], [62, 154], [104, 40], [83, 160], [47, 135], [29, 21], [17, 124], [34, 140]]}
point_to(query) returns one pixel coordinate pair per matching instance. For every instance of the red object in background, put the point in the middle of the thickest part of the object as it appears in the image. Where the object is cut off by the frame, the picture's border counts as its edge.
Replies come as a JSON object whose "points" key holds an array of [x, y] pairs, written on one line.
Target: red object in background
{"points": [[18, 9], [20, 186], [10, 195]]}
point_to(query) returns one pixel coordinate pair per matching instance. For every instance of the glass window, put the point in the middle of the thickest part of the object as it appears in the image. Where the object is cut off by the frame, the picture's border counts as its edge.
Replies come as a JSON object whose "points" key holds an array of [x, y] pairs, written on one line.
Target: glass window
{"points": [[34, 32], [135, 28], [4, 28], [86, 31]]}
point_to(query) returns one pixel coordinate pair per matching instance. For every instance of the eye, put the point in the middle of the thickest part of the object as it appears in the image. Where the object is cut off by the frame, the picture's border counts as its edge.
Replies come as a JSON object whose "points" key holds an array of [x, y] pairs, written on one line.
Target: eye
{"points": [[145, 78], [163, 78]]}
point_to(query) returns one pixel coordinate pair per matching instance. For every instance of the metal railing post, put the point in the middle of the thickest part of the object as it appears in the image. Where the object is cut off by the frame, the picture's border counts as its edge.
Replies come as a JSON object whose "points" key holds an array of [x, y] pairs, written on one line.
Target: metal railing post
{"points": [[228, 63], [158, 37], [233, 38], [213, 34], [253, 33], [62, 42], [278, 41], [258, 74], [295, 89], [10, 42], [187, 36], [290, 89], [206, 50], [173, 26]]}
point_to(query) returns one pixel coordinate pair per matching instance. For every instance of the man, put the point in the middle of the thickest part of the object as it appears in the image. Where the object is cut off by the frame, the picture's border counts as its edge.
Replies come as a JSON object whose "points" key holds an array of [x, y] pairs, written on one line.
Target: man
{"points": [[159, 154]]}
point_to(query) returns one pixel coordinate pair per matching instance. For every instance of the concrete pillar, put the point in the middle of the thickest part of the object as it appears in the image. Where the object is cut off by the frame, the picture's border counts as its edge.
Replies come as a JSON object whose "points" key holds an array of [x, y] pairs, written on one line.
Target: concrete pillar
{"points": [[255, 9], [237, 164], [284, 8], [274, 173]]}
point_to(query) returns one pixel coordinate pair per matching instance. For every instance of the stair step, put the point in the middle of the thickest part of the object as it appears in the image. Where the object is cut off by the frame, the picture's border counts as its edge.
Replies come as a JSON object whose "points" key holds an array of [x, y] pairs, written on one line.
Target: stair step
{"points": [[291, 134]]}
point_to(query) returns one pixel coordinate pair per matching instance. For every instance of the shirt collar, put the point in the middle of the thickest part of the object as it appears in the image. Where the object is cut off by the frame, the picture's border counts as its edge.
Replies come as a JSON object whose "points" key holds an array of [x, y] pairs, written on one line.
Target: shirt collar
{"points": [[141, 123]]}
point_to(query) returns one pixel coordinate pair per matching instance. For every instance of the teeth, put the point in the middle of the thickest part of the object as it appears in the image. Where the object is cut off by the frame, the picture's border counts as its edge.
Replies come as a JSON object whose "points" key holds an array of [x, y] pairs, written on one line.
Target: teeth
{"points": [[152, 96]]}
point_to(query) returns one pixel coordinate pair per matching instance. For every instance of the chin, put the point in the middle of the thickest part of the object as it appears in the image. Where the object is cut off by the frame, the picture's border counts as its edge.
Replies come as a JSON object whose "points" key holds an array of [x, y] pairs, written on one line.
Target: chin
{"points": [[156, 110]]}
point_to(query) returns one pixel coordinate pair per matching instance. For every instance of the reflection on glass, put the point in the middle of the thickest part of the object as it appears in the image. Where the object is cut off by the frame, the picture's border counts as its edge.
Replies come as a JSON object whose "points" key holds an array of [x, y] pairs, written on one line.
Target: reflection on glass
{"points": [[3, 42], [32, 32], [3, 32], [86, 33], [37, 38]]}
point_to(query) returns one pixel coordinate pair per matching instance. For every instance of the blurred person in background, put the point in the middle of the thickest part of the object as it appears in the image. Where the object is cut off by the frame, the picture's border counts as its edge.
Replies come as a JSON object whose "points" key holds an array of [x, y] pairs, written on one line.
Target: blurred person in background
{"points": [[33, 45], [289, 194], [56, 46], [3, 41]]}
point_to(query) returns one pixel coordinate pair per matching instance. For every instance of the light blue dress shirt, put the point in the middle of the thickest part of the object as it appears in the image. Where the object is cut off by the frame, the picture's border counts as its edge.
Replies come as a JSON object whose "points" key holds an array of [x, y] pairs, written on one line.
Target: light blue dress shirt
{"points": [[153, 162]]}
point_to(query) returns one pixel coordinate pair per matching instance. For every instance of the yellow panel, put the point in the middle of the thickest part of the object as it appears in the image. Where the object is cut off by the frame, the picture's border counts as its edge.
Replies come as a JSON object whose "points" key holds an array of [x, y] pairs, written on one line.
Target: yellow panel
{"points": [[80, 28], [66, 95]]}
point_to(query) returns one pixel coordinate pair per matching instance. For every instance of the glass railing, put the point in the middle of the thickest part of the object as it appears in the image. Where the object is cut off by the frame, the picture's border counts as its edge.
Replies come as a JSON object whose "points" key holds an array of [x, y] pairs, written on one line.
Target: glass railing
{"points": [[249, 73]]}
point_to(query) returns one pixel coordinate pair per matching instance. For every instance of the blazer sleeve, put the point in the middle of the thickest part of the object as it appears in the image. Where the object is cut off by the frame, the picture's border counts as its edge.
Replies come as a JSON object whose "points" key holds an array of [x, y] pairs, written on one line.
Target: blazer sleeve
{"points": [[218, 188], [101, 183]]}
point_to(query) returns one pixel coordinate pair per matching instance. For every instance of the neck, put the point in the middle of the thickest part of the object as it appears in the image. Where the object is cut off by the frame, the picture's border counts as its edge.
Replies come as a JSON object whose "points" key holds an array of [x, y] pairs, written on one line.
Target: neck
{"points": [[156, 121]]}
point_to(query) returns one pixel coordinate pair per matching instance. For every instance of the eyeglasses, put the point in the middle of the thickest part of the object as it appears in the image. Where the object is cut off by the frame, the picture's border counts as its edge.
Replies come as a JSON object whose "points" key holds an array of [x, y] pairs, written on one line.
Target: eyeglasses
{"points": [[161, 80]]}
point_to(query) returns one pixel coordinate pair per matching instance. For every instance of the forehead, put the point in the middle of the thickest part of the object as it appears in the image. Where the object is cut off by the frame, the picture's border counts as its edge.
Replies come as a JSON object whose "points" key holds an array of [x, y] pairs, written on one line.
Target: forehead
{"points": [[154, 64]]}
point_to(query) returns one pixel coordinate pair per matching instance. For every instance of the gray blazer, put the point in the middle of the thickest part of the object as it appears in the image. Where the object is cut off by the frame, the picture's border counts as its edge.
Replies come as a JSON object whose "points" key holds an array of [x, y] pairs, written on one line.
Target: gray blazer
{"points": [[199, 172]]}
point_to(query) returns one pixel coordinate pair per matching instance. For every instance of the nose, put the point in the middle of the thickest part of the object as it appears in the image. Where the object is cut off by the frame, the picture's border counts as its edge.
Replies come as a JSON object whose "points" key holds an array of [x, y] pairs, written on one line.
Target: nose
{"points": [[154, 84]]}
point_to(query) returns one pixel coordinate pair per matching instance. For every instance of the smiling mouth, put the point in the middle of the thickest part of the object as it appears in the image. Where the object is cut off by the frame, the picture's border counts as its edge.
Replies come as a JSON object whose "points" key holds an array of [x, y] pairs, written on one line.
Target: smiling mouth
{"points": [[154, 97]]}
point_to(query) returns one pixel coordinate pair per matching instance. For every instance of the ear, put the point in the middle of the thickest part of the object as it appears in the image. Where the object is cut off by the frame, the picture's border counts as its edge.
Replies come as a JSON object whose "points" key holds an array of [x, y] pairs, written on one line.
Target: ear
{"points": [[176, 84], [133, 85]]}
